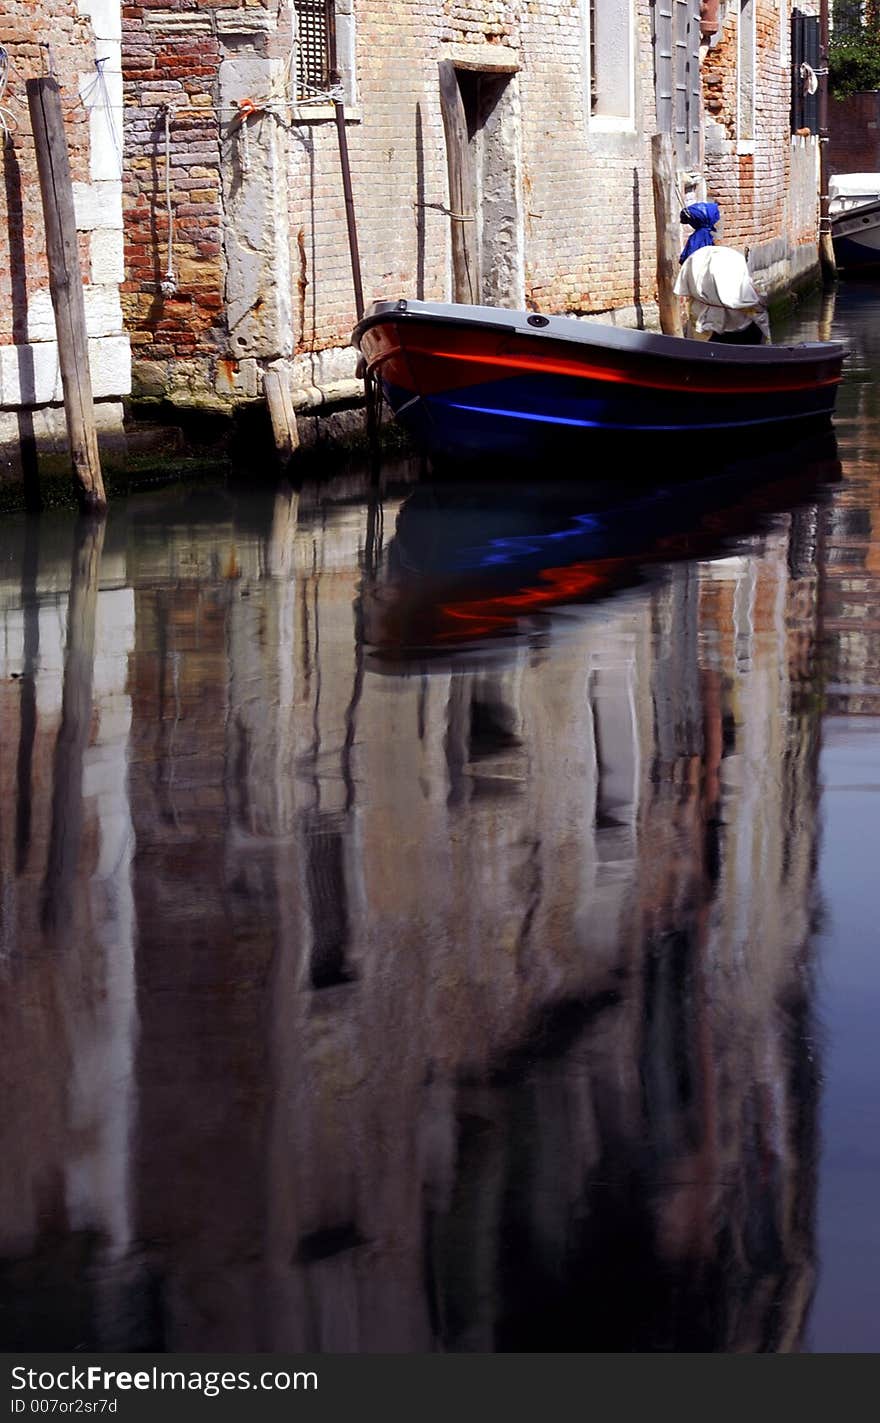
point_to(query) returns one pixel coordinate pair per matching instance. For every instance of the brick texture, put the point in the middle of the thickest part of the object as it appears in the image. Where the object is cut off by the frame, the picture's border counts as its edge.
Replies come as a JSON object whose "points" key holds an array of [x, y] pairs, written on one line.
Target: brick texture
{"points": [[854, 126], [24, 27]]}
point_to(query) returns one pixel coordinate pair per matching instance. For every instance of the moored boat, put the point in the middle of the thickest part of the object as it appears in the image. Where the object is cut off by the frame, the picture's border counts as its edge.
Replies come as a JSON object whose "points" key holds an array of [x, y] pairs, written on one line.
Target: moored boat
{"points": [[476, 380], [855, 220]]}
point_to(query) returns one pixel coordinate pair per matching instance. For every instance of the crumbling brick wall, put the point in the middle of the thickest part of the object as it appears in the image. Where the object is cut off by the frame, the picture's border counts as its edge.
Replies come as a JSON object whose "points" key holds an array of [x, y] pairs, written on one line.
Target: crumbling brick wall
{"points": [[78, 43], [25, 35], [170, 62]]}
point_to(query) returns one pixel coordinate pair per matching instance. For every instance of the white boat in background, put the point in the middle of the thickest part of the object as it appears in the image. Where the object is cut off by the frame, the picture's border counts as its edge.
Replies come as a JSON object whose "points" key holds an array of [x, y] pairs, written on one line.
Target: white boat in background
{"points": [[854, 208]]}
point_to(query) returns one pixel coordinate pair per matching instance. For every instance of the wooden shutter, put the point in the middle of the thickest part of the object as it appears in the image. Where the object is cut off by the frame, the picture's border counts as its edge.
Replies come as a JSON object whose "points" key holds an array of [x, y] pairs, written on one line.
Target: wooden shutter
{"points": [[677, 76], [804, 50]]}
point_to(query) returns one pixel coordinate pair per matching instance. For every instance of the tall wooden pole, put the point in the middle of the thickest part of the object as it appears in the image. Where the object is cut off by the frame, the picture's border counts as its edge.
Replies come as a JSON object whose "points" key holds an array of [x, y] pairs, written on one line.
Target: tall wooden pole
{"points": [[459, 165], [65, 285], [355, 257], [353, 250], [666, 222], [827, 260]]}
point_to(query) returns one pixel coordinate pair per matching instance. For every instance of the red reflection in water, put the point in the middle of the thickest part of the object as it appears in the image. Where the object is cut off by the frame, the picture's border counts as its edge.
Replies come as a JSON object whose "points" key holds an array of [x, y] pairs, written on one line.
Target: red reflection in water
{"points": [[487, 615]]}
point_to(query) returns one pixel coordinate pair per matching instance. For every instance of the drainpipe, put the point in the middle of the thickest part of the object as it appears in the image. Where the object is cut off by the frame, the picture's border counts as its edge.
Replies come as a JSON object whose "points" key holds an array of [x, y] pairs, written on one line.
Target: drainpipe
{"points": [[826, 249]]}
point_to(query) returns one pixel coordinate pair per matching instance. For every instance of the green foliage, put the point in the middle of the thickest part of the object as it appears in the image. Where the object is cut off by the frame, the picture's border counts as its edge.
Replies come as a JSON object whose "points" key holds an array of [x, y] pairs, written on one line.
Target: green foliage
{"points": [[854, 60]]}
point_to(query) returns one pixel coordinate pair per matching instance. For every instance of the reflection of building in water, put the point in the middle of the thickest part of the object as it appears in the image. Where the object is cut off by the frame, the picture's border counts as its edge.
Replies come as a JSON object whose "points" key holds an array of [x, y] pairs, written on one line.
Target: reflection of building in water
{"points": [[473, 1006], [491, 1007], [851, 622], [67, 935]]}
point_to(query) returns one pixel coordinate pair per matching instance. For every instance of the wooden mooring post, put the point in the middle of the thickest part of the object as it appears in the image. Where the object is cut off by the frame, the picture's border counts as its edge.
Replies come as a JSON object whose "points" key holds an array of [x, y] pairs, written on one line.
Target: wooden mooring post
{"points": [[459, 166], [66, 288], [282, 414], [667, 224], [371, 403]]}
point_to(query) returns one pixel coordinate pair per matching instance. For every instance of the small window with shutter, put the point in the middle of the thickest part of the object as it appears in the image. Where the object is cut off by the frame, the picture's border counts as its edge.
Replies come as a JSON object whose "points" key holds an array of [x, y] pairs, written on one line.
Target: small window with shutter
{"points": [[804, 51]]}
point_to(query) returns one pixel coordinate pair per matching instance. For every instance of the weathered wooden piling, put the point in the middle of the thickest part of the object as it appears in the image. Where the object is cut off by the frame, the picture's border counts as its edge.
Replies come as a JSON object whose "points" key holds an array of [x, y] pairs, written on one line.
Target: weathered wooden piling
{"points": [[459, 165], [666, 221], [282, 414], [66, 288]]}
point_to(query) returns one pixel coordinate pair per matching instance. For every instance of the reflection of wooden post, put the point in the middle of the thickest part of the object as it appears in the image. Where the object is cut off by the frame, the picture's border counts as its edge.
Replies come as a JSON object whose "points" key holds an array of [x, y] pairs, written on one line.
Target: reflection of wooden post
{"points": [[826, 313], [666, 222], [283, 532], [76, 720], [65, 284], [459, 163]]}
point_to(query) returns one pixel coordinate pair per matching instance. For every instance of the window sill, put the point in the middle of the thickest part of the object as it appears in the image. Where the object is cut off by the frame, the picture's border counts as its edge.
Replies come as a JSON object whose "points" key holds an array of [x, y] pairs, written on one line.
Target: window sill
{"points": [[321, 113], [610, 123]]}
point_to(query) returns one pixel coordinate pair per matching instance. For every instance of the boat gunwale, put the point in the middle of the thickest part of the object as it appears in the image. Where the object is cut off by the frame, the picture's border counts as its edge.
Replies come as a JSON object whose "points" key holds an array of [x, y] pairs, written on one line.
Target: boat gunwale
{"points": [[593, 335]]}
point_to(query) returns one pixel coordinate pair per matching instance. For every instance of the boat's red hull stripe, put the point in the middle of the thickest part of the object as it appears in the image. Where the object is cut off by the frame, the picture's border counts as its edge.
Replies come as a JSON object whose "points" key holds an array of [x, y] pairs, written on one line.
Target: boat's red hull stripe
{"points": [[419, 362]]}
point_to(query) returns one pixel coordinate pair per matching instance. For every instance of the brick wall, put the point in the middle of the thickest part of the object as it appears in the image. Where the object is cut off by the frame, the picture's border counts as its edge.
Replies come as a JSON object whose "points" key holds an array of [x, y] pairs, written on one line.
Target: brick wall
{"points": [[72, 37], [22, 257], [170, 57], [854, 129]]}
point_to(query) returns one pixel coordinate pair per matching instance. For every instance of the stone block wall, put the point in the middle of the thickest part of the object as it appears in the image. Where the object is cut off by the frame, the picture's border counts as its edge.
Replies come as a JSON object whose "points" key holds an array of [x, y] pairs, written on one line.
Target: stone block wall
{"points": [[80, 42]]}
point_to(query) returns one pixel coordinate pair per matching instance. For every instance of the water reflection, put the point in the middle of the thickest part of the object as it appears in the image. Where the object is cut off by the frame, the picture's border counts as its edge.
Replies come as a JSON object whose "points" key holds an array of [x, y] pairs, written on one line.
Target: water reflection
{"points": [[394, 1002]]}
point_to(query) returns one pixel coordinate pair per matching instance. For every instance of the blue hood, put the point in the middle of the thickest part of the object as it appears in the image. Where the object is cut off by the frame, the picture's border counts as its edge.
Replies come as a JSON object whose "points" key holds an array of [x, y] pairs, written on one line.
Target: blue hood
{"points": [[702, 217]]}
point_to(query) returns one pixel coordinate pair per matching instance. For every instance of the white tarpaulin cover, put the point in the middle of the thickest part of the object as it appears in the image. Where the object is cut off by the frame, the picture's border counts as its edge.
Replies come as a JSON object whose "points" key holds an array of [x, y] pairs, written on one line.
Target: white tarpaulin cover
{"points": [[720, 293], [854, 185]]}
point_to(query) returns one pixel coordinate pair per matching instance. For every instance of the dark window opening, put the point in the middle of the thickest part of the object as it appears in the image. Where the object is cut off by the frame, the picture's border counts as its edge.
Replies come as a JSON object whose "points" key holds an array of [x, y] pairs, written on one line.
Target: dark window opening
{"points": [[804, 50], [328, 908]]}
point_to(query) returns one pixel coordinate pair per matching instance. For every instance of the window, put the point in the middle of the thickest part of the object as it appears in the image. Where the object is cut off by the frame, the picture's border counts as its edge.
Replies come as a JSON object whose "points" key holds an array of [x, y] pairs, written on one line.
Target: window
{"points": [[610, 58], [323, 46], [804, 50], [315, 47], [677, 76]]}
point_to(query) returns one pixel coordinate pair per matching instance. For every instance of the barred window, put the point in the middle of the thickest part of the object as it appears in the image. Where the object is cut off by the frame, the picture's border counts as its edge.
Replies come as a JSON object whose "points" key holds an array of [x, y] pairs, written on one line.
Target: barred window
{"points": [[316, 47]]}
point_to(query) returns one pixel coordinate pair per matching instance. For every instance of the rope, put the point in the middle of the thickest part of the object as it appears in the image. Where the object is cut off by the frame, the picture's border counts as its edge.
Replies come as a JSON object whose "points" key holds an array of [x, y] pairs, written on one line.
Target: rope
{"points": [[169, 282], [7, 117], [99, 83], [447, 212]]}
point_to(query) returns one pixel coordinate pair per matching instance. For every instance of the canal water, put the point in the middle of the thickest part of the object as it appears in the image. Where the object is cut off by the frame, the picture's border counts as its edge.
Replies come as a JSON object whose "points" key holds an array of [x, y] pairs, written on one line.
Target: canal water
{"points": [[446, 917]]}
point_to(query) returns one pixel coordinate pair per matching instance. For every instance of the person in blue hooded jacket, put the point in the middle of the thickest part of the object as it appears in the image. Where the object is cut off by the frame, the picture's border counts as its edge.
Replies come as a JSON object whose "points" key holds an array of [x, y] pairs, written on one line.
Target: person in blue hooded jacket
{"points": [[703, 218], [723, 304]]}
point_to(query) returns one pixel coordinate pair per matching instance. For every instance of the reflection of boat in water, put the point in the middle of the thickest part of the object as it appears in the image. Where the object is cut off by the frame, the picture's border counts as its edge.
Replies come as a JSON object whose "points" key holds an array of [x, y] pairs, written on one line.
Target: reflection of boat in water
{"points": [[471, 562], [468, 380]]}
